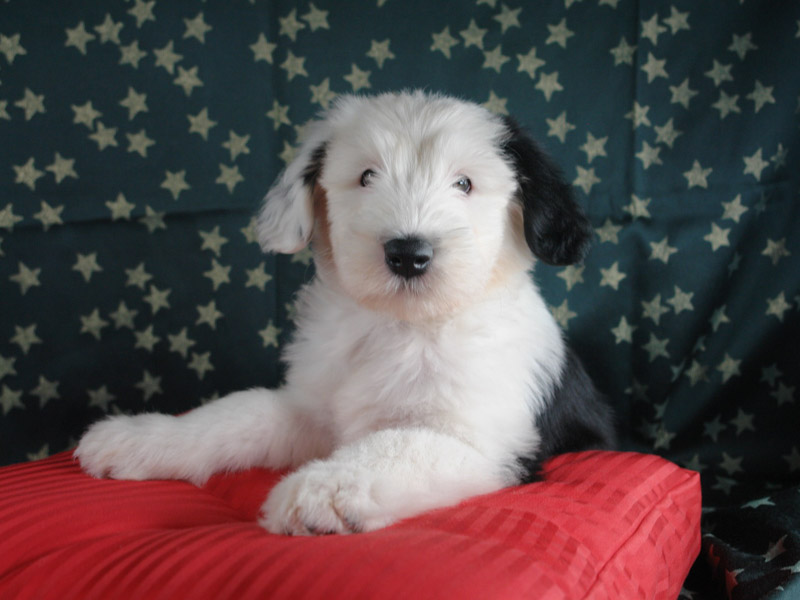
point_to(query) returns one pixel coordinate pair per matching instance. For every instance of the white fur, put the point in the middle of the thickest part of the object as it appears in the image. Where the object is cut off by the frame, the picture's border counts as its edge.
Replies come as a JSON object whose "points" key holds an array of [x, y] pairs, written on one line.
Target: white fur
{"points": [[401, 396]]}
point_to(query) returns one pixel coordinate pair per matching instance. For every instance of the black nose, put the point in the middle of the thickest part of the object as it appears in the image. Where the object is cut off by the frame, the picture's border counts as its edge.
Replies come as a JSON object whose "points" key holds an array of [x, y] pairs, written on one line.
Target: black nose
{"points": [[408, 257]]}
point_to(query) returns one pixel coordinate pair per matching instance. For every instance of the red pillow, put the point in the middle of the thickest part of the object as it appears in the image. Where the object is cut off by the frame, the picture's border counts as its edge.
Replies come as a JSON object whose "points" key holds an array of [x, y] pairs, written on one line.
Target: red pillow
{"points": [[602, 525]]}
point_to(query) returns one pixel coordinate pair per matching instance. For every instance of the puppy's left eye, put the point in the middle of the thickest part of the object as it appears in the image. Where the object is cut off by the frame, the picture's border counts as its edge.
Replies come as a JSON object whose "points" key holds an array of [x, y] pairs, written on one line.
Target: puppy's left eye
{"points": [[463, 184]]}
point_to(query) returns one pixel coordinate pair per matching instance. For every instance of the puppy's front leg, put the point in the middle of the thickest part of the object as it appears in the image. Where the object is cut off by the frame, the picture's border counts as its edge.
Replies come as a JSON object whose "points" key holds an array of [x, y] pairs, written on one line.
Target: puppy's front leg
{"points": [[384, 477], [252, 428]]}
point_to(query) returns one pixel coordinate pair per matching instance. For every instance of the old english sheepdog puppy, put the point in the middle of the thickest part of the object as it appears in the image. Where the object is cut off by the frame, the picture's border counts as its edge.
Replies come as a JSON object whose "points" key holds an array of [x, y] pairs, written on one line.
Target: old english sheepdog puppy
{"points": [[425, 368]]}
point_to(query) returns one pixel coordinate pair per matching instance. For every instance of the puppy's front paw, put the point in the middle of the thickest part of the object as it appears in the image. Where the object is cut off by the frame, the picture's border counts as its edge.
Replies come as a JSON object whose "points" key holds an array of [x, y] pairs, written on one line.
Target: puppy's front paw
{"points": [[125, 447], [322, 498]]}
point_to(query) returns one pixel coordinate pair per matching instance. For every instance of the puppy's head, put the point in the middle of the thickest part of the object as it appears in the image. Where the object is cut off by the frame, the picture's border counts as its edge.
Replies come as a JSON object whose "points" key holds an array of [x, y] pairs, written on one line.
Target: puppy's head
{"points": [[417, 204]]}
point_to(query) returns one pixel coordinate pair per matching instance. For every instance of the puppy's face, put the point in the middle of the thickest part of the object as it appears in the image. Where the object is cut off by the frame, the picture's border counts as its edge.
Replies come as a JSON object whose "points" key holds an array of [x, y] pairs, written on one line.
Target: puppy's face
{"points": [[416, 203]]}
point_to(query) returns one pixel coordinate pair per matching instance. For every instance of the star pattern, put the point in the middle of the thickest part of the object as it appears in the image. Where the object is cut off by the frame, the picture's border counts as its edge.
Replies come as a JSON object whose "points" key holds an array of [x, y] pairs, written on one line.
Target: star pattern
{"points": [[126, 235]]}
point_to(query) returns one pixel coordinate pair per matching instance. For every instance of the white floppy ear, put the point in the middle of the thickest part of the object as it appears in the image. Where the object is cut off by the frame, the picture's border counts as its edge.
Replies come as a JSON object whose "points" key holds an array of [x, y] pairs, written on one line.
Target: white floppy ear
{"points": [[286, 220]]}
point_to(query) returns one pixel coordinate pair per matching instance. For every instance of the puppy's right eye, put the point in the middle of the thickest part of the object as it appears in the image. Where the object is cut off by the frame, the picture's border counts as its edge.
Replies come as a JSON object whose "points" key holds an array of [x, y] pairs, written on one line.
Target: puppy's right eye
{"points": [[367, 177]]}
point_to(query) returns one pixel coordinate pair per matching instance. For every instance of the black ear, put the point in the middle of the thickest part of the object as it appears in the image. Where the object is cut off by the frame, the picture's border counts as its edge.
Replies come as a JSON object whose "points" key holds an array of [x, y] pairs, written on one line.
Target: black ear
{"points": [[556, 229]]}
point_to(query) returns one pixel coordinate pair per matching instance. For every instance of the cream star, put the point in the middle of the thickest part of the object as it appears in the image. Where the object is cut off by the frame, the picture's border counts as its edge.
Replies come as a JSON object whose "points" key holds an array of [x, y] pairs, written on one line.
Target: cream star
{"points": [[682, 94], [93, 324], [754, 165], [662, 250], [200, 123], [104, 136], [727, 104], [229, 177], [730, 465], [108, 30], [718, 237], [150, 385], [236, 144], [651, 29], [167, 58], [639, 115], [10, 399], [146, 339], [8, 219], [743, 421], [262, 49], [294, 66], [586, 179], [559, 34], [623, 332], [143, 12], [209, 315], [120, 208], [649, 155], [562, 314], [62, 168], [742, 44], [279, 115], [697, 175], [548, 84], [697, 373], [443, 42], [559, 127], [153, 220], [379, 51], [776, 250], [777, 548], [196, 28], [26, 277], [734, 209], [212, 240], [157, 299], [654, 68], [100, 398], [623, 53], [667, 134], [761, 95], [720, 73], [27, 174], [496, 104], [201, 364], [357, 78], [180, 343], [139, 142], [677, 20], [784, 394], [85, 115], [473, 35], [507, 18], [718, 318], [316, 18], [258, 277], [270, 334], [78, 37], [175, 183], [777, 306], [86, 265], [123, 316], [218, 274], [50, 215], [656, 348], [529, 63], [321, 94], [681, 300], [31, 103], [572, 275], [608, 232], [25, 337], [638, 207], [594, 147], [138, 277], [612, 276], [135, 103], [11, 48], [713, 428], [729, 367], [188, 80], [7, 366], [289, 25], [131, 54], [495, 59]]}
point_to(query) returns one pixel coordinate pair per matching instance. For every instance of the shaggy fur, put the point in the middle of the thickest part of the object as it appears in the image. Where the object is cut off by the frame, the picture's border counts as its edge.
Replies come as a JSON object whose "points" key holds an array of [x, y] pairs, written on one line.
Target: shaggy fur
{"points": [[414, 381]]}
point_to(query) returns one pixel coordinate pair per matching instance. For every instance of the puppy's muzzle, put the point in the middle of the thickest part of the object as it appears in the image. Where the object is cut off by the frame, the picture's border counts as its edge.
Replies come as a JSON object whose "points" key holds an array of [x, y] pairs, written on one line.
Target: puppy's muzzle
{"points": [[408, 257]]}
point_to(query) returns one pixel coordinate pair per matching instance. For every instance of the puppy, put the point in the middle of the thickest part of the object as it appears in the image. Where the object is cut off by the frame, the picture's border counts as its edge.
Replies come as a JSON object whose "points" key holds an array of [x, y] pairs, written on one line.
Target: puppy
{"points": [[425, 368]]}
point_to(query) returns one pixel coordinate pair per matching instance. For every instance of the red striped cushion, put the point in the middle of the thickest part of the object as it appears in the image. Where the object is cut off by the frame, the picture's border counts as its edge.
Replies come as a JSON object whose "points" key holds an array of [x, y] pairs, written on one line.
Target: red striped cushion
{"points": [[603, 525]]}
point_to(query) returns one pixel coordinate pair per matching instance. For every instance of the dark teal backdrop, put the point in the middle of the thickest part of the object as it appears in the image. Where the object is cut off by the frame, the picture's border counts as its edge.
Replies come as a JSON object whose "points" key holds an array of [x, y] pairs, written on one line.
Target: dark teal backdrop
{"points": [[137, 138]]}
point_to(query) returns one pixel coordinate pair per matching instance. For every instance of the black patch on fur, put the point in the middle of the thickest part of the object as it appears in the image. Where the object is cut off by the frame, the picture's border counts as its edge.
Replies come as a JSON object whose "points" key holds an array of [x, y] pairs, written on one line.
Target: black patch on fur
{"points": [[314, 167], [556, 229], [575, 418]]}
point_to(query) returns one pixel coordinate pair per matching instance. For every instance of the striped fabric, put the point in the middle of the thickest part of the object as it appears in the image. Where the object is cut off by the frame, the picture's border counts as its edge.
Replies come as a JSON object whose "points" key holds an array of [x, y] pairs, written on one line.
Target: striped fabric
{"points": [[602, 525]]}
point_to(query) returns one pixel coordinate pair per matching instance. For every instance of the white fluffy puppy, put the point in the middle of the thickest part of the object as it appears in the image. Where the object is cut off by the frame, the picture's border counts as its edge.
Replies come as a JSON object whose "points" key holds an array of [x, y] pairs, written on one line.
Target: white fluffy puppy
{"points": [[426, 367]]}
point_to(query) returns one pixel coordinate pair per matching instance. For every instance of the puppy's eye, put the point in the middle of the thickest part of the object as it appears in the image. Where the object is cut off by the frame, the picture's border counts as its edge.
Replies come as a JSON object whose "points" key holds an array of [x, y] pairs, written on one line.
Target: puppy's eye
{"points": [[367, 177], [463, 184]]}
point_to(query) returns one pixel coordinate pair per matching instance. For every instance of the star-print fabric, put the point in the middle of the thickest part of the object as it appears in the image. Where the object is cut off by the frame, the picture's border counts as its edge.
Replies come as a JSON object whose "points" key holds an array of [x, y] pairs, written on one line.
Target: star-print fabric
{"points": [[138, 137]]}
